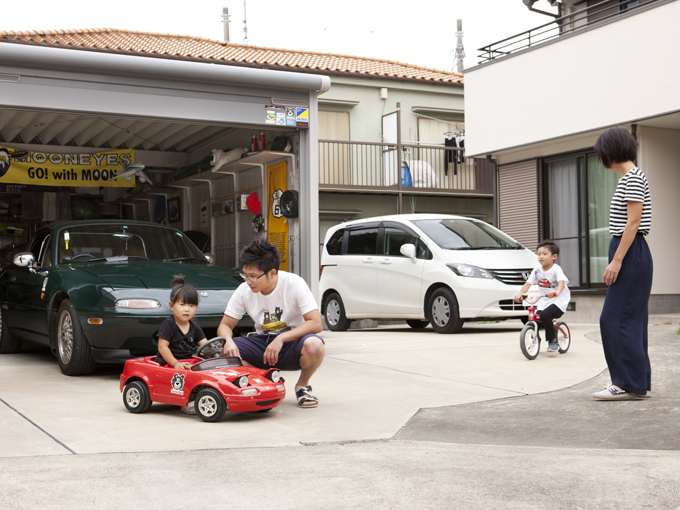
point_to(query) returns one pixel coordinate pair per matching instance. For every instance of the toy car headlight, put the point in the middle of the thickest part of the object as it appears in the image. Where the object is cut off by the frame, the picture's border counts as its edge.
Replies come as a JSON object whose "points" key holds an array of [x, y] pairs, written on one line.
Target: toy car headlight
{"points": [[250, 392], [470, 271], [274, 376], [241, 382], [137, 303]]}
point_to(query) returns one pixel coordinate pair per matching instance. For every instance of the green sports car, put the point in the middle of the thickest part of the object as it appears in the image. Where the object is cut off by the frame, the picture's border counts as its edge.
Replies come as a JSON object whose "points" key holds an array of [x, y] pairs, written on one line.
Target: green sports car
{"points": [[97, 291]]}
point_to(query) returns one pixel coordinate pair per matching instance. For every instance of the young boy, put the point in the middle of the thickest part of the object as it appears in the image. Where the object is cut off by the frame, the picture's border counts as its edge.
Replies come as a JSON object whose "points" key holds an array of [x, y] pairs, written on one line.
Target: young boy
{"points": [[553, 288], [286, 318]]}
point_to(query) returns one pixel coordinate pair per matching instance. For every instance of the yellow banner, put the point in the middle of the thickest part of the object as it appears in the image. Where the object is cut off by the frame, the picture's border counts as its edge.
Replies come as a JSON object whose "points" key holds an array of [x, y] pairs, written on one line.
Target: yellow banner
{"points": [[18, 166], [277, 224]]}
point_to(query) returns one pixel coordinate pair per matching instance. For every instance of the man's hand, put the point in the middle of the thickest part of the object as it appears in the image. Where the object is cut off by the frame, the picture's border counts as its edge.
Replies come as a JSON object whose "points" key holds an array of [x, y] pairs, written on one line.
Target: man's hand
{"points": [[271, 354], [229, 349]]}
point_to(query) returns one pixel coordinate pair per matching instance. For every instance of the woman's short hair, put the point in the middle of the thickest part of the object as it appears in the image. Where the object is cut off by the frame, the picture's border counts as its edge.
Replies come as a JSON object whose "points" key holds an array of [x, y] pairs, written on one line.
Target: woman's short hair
{"points": [[616, 145]]}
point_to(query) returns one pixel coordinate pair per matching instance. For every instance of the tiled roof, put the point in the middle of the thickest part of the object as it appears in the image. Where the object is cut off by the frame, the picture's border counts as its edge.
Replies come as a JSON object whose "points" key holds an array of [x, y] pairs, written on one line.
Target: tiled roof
{"points": [[210, 50]]}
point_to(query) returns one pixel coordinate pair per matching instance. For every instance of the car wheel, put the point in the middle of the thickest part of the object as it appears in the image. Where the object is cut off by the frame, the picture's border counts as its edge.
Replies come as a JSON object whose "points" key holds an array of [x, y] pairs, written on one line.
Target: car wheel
{"points": [[563, 336], [529, 342], [210, 405], [73, 349], [334, 313], [9, 344], [443, 312], [136, 397], [415, 324]]}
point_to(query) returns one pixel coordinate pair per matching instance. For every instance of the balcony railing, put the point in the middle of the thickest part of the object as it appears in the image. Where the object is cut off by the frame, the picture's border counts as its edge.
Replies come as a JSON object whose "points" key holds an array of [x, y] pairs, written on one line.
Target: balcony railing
{"points": [[426, 169], [559, 27]]}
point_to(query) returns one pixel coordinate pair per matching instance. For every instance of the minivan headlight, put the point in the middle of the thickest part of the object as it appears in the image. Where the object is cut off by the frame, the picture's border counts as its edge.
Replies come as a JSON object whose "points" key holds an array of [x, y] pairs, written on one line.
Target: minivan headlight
{"points": [[470, 271]]}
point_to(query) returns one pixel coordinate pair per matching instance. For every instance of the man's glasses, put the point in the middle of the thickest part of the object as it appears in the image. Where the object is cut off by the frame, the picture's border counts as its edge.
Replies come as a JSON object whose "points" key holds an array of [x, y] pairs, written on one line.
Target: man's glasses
{"points": [[251, 278]]}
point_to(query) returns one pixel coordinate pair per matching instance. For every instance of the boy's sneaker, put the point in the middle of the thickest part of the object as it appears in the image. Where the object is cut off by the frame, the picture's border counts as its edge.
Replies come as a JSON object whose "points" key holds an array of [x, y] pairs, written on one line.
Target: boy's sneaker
{"points": [[190, 409], [553, 347]]}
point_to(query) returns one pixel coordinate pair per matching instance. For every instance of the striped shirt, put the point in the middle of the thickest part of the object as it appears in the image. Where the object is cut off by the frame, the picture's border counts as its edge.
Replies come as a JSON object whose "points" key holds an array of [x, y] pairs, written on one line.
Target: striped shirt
{"points": [[632, 187]]}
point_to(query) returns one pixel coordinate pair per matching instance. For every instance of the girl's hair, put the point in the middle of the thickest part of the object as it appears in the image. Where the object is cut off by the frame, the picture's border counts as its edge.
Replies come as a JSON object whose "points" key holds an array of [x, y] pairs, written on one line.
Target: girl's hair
{"points": [[182, 291], [616, 145]]}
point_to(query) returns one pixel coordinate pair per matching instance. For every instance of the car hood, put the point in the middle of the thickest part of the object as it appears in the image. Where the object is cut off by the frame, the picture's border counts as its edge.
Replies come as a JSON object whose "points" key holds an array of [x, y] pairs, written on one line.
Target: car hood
{"points": [[159, 275], [494, 259]]}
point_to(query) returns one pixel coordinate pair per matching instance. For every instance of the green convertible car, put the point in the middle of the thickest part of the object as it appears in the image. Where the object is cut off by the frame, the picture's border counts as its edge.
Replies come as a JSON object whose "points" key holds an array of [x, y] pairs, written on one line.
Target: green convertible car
{"points": [[97, 291]]}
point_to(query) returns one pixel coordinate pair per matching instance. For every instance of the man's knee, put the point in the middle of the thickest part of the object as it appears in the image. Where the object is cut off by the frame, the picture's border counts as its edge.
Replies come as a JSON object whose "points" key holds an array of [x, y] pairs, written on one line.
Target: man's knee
{"points": [[313, 347]]}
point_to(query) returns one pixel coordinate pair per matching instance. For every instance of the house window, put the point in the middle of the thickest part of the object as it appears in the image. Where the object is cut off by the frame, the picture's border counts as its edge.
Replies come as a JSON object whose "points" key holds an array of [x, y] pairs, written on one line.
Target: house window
{"points": [[577, 192]]}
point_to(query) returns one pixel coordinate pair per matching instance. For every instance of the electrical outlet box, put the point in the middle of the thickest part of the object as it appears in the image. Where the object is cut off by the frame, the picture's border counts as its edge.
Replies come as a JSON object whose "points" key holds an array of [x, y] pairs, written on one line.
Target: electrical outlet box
{"points": [[383, 93]]}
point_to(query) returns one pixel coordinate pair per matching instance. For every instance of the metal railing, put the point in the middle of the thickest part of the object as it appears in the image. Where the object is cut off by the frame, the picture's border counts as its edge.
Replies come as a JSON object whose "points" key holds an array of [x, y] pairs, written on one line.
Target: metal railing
{"points": [[559, 27], [424, 168]]}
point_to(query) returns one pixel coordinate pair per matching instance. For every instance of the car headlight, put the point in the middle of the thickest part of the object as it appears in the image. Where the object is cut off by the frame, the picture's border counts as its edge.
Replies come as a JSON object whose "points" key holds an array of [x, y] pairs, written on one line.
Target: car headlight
{"points": [[470, 271], [250, 392], [137, 303], [274, 376], [241, 382]]}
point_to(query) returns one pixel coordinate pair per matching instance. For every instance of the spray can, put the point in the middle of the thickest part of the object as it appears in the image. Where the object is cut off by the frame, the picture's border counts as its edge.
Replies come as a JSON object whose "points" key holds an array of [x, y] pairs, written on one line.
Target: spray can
{"points": [[253, 143], [261, 140]]}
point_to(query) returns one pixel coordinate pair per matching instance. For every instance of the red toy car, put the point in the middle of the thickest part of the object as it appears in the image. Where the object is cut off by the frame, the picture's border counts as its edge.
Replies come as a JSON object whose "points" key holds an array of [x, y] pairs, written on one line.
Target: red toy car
{"points": [[215, 385]]}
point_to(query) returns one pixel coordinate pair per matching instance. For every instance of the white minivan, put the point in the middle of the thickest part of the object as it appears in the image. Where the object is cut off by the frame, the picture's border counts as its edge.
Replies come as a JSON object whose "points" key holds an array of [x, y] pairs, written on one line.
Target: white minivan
{"points": [[424, 268]]}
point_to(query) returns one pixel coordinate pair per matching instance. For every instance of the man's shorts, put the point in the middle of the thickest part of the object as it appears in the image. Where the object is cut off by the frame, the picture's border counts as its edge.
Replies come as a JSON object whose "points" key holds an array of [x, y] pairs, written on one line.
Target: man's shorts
{"points": [[252, 349]]}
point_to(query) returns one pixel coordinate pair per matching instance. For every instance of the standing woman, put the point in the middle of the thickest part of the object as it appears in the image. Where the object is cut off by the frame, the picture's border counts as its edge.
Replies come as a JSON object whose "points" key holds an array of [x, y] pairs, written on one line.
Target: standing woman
{"points": [[623, 322]]}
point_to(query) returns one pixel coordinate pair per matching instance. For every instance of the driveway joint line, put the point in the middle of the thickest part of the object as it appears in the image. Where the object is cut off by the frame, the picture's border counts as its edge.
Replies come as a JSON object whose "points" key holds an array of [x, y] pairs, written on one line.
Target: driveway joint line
{"points": [[38, 427], [522, 393]]}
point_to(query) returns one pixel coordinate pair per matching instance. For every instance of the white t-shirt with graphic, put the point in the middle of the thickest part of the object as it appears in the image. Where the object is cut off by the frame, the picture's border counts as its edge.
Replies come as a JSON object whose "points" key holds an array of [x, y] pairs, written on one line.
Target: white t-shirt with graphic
{"points": [[547, 281], [283, 309]]}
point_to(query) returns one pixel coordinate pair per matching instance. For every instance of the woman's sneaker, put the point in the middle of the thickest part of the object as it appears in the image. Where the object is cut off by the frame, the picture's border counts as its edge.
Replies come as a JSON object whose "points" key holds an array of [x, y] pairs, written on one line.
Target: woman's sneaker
{"points": [[553, 347], [614, 393]]}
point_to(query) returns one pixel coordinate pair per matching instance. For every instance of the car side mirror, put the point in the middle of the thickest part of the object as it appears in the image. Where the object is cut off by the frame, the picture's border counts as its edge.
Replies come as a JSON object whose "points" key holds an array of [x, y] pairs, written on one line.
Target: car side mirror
{"points": [[210, 258], [24, 259], [409, 250]]}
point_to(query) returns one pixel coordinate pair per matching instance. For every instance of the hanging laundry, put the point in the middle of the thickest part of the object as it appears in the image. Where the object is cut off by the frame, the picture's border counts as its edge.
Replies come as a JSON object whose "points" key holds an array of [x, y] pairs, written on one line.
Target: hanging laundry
{"points": [[450, 156], [460, 142]]}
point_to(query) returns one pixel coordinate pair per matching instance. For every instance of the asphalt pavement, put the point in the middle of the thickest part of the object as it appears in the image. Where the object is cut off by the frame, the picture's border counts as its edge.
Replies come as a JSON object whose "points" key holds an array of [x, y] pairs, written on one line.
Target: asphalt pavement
{"points": [[407, 419]]}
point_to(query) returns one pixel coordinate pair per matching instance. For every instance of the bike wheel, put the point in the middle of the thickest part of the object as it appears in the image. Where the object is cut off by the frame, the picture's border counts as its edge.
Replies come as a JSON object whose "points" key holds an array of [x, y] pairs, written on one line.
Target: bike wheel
{"points": [[529, 342], [563, 336]]}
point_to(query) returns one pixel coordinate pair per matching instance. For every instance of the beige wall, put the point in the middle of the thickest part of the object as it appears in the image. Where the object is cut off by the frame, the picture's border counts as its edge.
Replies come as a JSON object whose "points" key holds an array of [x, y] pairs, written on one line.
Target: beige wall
{"points": [[614, 74], [659, 159]]}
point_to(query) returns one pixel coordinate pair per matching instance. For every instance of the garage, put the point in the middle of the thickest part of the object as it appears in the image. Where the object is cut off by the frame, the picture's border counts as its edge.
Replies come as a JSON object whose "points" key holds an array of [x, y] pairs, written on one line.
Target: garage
{"points": [[202, 147]]}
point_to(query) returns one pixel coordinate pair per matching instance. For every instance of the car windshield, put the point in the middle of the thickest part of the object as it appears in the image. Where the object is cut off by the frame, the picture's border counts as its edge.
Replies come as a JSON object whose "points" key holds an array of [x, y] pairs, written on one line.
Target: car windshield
{"points": [[115, 242], [215, 363], [464, 234]]}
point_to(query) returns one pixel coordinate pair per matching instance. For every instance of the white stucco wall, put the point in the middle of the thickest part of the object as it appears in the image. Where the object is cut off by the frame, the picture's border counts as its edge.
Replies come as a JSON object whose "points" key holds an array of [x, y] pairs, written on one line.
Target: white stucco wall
{"points": [[659, 159], [620, 72]]}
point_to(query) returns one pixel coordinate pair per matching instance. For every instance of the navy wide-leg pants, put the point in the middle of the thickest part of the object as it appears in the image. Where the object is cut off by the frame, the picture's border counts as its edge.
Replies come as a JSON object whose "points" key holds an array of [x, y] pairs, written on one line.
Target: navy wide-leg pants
{"points": [[623, 323]]}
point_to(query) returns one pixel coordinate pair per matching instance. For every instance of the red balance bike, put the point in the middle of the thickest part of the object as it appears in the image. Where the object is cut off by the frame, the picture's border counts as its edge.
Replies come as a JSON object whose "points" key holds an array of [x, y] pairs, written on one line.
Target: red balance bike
{"points": [[530, 340]]}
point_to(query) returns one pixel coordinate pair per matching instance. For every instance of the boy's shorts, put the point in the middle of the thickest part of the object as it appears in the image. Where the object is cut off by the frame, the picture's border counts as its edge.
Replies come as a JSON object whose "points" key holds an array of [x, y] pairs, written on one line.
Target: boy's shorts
{"points": [[252, 349]]}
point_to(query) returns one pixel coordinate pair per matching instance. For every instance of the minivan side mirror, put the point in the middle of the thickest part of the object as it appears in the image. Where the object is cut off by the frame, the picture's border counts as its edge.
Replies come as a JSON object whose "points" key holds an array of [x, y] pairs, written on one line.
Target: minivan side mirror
{"points": [[409, 250]]}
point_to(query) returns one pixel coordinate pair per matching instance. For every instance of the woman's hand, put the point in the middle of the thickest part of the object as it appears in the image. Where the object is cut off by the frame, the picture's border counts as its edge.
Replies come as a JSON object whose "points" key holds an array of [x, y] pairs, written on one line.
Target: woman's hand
{"points": [[612, 272]]}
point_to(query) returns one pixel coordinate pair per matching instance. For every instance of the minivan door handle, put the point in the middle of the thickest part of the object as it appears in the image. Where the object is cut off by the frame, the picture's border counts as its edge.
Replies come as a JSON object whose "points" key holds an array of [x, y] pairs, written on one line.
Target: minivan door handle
{"points": [[385, 261], [368, 260]]}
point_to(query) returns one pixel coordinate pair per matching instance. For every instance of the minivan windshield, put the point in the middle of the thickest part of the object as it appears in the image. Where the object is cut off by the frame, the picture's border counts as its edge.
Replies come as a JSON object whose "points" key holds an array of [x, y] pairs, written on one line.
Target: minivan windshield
{"points": [[464, 234]]}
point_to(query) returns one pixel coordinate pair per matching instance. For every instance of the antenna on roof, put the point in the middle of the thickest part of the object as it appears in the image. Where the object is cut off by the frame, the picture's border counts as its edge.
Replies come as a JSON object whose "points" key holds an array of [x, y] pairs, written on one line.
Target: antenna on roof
{"points": [[225, 22], [460, 53], [245, 25]]}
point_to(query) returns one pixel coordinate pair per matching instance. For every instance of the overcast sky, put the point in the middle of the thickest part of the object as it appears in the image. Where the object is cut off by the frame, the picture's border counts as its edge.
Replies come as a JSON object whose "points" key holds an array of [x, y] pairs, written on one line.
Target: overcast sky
{"points": [[420, 32]]}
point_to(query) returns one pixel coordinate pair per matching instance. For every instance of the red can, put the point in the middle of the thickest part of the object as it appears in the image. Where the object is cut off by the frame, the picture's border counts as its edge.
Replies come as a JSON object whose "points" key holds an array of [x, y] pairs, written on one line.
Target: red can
{"points": [[261, 141], [253, 143]]}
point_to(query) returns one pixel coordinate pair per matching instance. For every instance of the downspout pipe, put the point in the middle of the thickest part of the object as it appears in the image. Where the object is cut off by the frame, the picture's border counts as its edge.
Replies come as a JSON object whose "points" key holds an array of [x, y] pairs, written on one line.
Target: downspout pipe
{"points": [[95, 62]]}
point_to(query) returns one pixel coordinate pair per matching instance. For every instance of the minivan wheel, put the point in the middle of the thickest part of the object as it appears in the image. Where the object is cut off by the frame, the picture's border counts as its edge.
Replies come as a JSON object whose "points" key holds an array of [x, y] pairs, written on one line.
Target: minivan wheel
{"points": [[443, 312], [334, 313]]}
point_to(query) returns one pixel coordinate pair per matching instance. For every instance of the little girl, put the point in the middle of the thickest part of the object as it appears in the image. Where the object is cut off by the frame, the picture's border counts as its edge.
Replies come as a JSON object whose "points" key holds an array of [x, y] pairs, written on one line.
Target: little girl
{"points": [[179, 336]]}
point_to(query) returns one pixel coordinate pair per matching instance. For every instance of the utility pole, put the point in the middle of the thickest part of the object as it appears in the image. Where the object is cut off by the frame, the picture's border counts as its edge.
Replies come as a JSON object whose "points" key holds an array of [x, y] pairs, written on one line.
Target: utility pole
{"points": [[460, 53], [225, 22]]}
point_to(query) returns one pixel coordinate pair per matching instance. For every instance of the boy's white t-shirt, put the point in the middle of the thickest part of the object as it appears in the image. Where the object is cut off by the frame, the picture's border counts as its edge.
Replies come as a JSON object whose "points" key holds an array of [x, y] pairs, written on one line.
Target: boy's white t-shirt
{"points": [[547, 281], [277, 312]]}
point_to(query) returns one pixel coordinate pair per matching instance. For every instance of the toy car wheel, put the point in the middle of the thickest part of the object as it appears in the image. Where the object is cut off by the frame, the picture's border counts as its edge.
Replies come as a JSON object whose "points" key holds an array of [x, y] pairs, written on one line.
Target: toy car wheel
{"points": [[334, 313], [8, 343], [210, 405], [529, 342], [136, 397], [415, 324], [563, 336], [73, 349], [443, 312]]}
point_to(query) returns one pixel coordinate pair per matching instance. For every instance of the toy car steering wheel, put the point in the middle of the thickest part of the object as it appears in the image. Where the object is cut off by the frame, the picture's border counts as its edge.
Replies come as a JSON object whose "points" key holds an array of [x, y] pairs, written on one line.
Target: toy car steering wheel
{"points": [[211, 348]]}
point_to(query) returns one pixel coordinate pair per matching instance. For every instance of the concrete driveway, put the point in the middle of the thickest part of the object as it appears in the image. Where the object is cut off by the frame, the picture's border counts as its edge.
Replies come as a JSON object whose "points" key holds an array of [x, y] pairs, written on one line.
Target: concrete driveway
{"points": [[382, 376]]}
